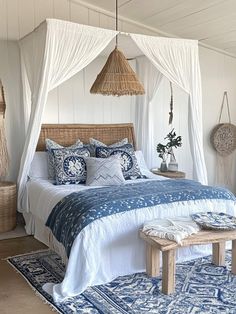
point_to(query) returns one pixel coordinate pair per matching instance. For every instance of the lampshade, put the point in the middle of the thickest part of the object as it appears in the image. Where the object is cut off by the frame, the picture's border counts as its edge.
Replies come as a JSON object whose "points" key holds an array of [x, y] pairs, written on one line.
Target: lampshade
{"points": [[2, 100], [117, 78]]}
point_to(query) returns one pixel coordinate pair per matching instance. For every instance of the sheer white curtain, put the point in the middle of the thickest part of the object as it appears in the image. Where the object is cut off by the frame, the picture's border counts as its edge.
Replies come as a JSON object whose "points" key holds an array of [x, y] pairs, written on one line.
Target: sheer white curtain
{"points": [[178, 60], [50, 55], [151, 79]]}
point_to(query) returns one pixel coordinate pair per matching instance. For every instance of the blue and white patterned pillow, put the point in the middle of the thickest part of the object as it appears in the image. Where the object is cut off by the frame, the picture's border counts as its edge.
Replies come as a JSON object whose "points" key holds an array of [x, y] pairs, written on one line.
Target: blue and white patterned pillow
{"points": [[104, 171], [69, 165], [96, 143], [50, 145], [129, 164]]}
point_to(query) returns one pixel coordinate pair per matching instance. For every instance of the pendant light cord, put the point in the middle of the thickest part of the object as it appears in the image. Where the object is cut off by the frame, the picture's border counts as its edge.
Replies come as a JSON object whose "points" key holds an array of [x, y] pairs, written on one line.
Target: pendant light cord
{"points": [[116, 22]]}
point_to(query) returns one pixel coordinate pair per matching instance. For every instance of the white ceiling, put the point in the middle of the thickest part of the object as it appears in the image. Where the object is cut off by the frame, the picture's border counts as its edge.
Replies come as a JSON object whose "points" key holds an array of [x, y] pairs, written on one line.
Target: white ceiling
{"points": [[212, 22]]}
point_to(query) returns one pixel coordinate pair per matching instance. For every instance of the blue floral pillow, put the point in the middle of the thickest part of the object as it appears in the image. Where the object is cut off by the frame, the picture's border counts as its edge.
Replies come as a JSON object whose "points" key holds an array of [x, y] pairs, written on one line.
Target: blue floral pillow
{"points": [[94, 143], [50, 145], [129, 164], [69, 165]]}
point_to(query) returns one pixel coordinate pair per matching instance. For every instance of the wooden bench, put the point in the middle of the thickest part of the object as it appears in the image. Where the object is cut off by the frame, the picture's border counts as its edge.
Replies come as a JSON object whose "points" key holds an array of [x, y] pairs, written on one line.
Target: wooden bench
{"points": [[156, 245]]}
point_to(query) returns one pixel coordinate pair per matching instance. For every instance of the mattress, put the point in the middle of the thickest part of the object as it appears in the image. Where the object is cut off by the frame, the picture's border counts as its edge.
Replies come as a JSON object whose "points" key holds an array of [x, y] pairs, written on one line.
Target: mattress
{"points": [[43, 195]]}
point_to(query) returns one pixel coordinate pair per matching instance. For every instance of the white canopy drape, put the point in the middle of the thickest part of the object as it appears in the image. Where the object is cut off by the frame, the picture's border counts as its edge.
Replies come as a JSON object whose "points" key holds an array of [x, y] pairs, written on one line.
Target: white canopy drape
{"points": [[151, 79], [50, 55], [178, 60], [57, 50]]}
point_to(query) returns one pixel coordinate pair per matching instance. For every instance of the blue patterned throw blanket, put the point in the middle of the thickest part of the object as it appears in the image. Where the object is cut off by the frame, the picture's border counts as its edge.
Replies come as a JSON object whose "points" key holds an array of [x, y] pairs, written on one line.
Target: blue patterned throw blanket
{"points": [[77, 210]]}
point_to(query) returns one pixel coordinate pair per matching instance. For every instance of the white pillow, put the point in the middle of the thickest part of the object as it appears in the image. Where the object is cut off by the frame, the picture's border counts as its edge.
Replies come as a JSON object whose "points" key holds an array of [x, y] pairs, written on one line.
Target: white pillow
{"points": [[39, 166], [144, 168], [141, 162]]}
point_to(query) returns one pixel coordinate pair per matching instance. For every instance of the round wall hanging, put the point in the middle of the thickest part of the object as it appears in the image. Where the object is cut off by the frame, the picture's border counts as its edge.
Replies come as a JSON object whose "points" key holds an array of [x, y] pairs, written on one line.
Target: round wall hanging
{"points": [[223, 138], [223, 135]]}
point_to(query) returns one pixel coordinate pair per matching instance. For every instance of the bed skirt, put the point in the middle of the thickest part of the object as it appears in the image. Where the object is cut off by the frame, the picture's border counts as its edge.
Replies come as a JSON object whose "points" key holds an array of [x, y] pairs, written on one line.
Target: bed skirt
{"points": [[36, 227], [111, 247]]}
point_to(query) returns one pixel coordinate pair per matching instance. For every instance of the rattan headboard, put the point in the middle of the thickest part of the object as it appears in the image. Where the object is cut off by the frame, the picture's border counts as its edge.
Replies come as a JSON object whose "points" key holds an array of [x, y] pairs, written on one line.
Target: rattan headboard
{"points": [[67, 134]]}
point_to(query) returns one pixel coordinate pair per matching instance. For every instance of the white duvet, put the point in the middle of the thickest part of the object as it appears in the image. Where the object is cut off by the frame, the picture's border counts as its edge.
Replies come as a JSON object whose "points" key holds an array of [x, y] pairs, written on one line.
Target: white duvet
{"points": [[110, 247]]}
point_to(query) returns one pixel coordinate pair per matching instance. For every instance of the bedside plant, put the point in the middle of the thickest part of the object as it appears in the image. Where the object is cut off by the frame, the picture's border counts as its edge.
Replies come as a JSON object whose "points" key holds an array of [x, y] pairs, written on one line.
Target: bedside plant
{"points": [[174, 141]]}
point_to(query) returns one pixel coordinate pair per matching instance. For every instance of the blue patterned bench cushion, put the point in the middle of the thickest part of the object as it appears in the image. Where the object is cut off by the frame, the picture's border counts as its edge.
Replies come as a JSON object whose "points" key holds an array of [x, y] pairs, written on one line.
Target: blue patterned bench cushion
{"points": [[79, 209]]}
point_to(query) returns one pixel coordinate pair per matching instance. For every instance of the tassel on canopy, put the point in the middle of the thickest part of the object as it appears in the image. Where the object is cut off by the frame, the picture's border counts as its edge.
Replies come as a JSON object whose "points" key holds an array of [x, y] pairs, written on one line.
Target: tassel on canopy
{"points": [[2, 101], [171, 115], [4, 157]]}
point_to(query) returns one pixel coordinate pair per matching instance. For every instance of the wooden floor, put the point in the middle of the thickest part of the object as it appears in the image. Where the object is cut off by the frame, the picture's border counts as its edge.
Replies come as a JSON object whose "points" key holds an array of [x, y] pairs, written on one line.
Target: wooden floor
{"points": [[16, 296]]}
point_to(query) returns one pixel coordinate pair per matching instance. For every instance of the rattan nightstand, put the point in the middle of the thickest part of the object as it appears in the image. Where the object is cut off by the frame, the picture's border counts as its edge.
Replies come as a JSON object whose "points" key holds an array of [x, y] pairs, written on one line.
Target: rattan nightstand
{"points": [[169, 174], [7, 206]]}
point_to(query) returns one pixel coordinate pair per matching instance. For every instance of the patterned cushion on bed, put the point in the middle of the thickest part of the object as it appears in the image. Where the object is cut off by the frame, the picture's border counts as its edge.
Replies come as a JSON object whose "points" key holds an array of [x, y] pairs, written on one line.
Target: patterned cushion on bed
{"points": [[69, 165], [50, 145], [96, 143], [128, 160], [104, 171]]}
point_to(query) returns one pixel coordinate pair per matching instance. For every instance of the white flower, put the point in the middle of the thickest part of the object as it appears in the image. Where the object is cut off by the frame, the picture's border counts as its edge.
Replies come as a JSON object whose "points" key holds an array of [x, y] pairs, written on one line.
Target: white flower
{"points": [[75, 167]]}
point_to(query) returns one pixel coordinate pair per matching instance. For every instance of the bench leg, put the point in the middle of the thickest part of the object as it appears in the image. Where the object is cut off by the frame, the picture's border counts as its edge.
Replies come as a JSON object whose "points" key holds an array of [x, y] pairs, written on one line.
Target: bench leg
{"points": [[168, 272], [233, 268], [152, 261], [218, 254]]}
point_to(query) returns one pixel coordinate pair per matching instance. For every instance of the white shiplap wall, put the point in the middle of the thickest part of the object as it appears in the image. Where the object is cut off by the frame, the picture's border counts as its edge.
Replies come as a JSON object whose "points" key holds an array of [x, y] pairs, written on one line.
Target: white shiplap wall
{"points": [[161, 105], [19, 17], [72, 102], [218, 75]]}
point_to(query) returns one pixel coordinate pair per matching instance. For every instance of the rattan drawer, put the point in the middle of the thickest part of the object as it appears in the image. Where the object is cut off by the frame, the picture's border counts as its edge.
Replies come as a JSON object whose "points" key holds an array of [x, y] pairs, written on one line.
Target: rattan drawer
{"points": [[7, 206]]}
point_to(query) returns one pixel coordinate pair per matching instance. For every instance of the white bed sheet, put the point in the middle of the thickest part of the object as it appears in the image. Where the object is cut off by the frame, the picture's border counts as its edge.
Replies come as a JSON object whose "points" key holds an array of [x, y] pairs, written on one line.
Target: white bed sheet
{"points": [[109, 247]]}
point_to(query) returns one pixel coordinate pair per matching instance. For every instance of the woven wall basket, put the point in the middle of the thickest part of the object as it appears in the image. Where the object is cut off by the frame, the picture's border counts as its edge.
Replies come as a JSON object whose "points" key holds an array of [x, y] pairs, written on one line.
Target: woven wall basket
{"points": [[223, 138]]}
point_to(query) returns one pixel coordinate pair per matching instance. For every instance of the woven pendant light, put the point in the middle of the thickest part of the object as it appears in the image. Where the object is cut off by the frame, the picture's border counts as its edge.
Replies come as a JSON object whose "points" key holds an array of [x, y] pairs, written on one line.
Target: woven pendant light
{"points": [[117, 78]]}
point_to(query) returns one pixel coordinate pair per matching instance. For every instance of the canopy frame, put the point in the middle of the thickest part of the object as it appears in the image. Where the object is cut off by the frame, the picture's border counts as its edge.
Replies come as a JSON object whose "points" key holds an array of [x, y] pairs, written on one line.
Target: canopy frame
{"points": [[57, 50]]}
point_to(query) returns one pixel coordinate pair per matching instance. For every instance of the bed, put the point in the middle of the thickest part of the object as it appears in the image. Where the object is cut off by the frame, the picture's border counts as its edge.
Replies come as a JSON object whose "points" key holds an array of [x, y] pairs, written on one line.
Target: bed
{"points": [[108, 247]]}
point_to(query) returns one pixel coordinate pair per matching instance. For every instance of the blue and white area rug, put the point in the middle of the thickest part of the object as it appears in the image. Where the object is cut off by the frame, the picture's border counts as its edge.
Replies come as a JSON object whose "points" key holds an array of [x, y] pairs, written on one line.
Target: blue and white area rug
{"points": [[200, 288]]}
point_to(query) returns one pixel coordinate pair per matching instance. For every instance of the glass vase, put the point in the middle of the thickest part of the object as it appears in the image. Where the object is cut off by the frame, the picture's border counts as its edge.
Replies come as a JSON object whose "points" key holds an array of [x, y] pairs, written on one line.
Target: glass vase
{"points": [[173, 165], [163, 167]]}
